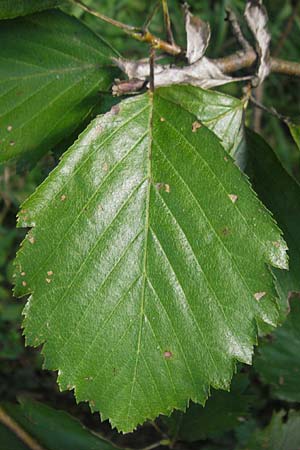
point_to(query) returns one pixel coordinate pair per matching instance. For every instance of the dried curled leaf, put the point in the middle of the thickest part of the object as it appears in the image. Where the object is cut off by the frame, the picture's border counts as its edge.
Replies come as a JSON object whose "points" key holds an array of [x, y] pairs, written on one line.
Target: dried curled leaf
{"points": [[198, 36], [200, 72], [203, 73], [257, 19]]}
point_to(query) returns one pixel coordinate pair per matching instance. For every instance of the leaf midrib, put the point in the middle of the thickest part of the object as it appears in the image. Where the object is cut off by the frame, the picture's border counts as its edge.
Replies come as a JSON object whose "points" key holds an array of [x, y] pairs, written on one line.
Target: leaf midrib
{"points": [[147, 229]]}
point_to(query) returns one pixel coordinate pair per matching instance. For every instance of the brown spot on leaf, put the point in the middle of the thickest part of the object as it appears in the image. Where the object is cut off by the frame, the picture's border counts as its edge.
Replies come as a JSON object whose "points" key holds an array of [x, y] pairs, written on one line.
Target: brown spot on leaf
{"points": [[12, 143], [63, 197], [259, 295], [162, 119], [49, 273], [225, 158], [23, 274], [115, 110], [24, 283], [195, 126], [9, 128], [31, 240], [276, 244], [164, 186], [233, 197], [168, 354], [105, 167], [225, 231], [48, 280]]}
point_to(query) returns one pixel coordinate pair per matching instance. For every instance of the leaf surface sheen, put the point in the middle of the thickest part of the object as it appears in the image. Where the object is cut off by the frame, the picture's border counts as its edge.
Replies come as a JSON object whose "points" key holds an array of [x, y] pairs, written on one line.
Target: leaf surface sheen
{"points": [[52, 70], [146, 251]]}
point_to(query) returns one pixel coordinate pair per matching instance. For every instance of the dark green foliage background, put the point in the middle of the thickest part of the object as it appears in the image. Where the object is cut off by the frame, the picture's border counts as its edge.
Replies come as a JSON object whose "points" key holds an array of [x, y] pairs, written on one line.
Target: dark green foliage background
{"points": [[21, 369]]}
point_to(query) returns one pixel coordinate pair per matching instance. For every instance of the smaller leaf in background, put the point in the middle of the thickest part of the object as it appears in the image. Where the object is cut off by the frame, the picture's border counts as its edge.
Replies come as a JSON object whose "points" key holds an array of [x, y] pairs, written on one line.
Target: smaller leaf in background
{"points": [[295, 132], [281, 195], [9, 441], [49, 428], [280, 434], [222, 412], [10, 9], [221, 113], [52, 70], [278, 361]]}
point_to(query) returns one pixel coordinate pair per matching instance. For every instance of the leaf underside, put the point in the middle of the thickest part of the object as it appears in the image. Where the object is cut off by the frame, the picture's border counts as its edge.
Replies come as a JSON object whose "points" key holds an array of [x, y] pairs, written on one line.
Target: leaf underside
{"points": [[147, 254], [52, 70]]}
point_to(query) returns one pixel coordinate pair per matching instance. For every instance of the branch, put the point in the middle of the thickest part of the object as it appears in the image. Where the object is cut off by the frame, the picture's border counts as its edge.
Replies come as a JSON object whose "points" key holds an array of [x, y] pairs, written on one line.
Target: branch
{"points": [[271, 111], [139, 34], [232, 19], [167, 20], [229, 64], [244, 60]]}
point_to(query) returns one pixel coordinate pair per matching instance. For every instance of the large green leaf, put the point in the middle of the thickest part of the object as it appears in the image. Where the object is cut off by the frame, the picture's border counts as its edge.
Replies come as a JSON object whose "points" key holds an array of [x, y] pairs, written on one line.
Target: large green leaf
{"points": [[281, 194], [147, 261], [281, 434], [14, 8], [51, 71], [222, 412], [49, 428], [278, 360]]}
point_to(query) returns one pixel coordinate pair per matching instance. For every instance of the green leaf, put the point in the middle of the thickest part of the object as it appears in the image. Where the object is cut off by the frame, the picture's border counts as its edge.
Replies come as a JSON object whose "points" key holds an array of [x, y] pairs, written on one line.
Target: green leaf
{"points": [[51, 71], [295, 132], [278, 360], [219, 112], [280, 434], [14, 8], [50, 428], [281, 194], [147, 261], [222, 412], [9, 441]]}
